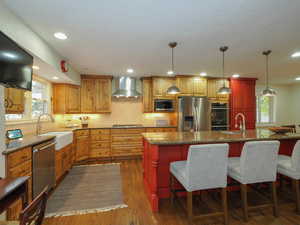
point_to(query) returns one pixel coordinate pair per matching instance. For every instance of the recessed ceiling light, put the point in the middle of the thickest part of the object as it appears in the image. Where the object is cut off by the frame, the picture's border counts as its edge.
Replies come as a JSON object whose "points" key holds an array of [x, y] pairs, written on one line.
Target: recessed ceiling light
{"points": [[170, 72], [295, 55], [35, 67], [203, 74], [297, 78], [236, 75], [60, 35], [130, 70], [55, 78]]}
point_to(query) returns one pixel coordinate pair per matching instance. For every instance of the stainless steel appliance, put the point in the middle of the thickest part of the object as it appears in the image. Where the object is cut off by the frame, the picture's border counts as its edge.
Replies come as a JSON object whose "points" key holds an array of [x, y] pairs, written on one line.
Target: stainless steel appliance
{"points": [[164, 105], [193, 113], [219, 116], [43, 167], [126, 87]]}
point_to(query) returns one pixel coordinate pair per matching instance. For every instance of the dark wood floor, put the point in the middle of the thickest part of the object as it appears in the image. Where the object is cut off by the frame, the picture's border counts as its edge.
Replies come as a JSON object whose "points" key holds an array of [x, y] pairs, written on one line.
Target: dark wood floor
{"points": [[139, 213]]}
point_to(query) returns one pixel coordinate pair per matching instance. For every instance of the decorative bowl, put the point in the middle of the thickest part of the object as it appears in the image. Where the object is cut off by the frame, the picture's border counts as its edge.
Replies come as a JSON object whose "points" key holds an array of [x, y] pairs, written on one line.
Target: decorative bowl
{"points": [[280, 130]]}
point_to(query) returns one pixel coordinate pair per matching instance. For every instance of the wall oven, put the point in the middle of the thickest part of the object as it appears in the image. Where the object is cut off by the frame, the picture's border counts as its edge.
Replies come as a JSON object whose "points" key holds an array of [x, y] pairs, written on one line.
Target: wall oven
{"points": [[219, 116], [164, 105]]}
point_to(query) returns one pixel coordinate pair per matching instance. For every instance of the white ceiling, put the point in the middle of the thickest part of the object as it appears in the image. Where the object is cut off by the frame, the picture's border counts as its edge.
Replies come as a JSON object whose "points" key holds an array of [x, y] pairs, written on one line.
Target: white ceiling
{"points": [[109, 36]]}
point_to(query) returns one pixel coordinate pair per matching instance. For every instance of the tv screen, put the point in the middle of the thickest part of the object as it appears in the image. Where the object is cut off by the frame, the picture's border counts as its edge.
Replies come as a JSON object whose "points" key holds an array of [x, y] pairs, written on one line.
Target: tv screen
{"points": [[15, 64]]}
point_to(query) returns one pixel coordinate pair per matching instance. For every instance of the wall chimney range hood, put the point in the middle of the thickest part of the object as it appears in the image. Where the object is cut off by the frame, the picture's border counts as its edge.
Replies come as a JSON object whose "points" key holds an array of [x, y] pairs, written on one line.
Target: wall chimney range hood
{"points": [[125, 87]]}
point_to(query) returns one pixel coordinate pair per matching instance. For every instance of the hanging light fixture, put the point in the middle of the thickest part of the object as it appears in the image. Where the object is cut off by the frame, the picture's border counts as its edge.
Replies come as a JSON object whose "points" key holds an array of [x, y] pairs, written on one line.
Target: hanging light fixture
{"points": [[268, 91], [224, 90], [173, 90]]}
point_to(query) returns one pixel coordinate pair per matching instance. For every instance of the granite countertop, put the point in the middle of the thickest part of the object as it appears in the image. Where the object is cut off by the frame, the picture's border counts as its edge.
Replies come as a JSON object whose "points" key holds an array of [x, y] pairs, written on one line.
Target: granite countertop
{"points": [[26, 141], [111, 127], [174, 138]]}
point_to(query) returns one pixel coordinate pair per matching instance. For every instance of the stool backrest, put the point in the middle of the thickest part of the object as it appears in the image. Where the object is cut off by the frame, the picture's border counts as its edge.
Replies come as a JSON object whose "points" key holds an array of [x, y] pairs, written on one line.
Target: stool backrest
{"points": [[296, 156], [207, 166], [259, 161]]}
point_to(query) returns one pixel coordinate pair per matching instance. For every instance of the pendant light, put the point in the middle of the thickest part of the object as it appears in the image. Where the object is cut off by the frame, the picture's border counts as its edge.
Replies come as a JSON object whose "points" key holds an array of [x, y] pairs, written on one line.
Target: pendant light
{"points": [[173, 90], [224, 90], [268, 91]]}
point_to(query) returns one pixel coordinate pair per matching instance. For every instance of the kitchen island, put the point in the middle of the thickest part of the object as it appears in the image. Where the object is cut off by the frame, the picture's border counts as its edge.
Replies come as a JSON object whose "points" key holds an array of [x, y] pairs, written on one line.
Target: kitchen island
{"points": [[160, 149]]}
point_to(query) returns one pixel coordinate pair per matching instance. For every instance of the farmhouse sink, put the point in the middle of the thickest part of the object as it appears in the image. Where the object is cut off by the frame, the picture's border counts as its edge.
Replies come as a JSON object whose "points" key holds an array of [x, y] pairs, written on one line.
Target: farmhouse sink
{"points": [[62, 139]]}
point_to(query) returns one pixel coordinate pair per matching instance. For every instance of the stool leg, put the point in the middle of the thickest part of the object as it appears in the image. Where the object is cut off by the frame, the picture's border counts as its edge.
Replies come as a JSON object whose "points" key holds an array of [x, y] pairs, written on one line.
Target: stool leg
{"points": [[275, 201], [190, 207], [225, 206], [297, 194], [244, 201], [172, 188]]}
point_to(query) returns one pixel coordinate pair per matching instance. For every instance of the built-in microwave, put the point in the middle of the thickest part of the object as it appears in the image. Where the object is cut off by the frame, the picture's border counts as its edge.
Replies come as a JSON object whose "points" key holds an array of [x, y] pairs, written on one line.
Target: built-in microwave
{"points": [[164, 105]]}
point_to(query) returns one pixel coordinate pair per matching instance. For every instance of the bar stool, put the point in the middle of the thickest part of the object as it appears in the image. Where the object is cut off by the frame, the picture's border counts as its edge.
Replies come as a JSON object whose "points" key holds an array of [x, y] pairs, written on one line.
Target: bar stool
{"points": [[290, 167], [205, 168], [257, 164]]}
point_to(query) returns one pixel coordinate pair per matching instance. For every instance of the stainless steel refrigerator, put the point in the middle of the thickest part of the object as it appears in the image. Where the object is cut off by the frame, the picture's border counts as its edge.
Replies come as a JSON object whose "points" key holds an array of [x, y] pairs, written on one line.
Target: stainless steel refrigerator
{"points": [[193, 114]]}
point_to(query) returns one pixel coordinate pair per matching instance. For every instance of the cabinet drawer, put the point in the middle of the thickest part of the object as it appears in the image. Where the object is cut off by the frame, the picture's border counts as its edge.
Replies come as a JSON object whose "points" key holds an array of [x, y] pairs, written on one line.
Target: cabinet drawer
{"points": [[154, 129], [100, 131], [19, 157], [23, 169], [82, 133], [100, 137], [126, 150], [128, 131], [97, 153], [99, 145], [127, 139]]}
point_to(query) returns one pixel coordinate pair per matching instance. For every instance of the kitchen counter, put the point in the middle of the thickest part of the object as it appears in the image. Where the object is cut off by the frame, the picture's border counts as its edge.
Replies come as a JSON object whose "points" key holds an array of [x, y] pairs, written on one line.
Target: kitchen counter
{"points": [[26, 141], [111, 127], [175, 138]]}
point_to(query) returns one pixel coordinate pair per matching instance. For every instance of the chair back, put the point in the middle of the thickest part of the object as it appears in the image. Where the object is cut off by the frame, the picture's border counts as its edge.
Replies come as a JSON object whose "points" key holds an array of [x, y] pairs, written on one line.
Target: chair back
{"points": [[259, 161], [296, 156], [207, 166], [34, 213]]}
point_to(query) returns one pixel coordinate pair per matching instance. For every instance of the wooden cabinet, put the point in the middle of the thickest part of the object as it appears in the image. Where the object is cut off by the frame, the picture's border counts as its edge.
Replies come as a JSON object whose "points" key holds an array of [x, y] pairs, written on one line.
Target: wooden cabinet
{"points": [[63, 161], [19, 164], [243, 100], [192, 86], [14, 101], [66, 98], [81, 144], [100, 141], [147, 95], [95, 94], [161, 129], [213, 85], [160, 86]]}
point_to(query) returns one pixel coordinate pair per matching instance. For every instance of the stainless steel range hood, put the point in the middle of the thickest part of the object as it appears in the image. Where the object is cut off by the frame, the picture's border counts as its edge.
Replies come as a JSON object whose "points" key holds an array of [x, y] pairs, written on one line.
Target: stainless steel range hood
{"points": [[125, 87]]}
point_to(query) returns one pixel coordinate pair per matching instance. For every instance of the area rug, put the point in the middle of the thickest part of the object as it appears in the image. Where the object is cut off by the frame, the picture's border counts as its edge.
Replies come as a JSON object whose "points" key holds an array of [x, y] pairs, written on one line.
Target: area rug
{"points": [[87, 189]]}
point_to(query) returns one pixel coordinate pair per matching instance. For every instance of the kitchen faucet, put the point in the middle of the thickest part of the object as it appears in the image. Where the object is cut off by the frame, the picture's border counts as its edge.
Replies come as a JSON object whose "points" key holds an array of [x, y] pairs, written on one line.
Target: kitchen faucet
{"points": [[38, 124], [242, 125]]}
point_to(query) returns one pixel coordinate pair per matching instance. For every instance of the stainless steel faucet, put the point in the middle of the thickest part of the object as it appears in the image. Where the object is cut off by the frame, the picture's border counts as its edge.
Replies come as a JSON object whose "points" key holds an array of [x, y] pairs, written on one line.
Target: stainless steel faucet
{"points": [[241, 126], [38, 124]]}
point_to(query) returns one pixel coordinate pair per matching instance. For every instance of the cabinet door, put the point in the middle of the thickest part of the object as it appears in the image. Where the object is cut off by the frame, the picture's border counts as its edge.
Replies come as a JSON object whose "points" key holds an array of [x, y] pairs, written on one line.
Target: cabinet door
{"points": [[199, 86], [59, 98], [102, 95], [73, 99], [147, 96], [87, 95], [82, 148], [161, 85], [58, 165], [185, 84], [213, 85], [15, 101]]}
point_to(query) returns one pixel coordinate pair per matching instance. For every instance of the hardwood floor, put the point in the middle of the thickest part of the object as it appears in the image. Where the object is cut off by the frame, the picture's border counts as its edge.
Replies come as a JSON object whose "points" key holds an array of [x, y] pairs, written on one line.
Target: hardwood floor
{"points": [[139, 213]]}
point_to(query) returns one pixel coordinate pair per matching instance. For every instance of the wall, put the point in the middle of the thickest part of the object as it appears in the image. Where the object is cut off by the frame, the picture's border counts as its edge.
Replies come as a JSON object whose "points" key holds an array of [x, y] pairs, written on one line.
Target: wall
{"points": [[13, 27], [294, 103]]}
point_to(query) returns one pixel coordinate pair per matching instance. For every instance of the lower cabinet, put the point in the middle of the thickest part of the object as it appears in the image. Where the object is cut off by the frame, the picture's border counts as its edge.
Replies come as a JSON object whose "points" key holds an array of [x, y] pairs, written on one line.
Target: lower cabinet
{"points": [[63, 161], [82, 144], [100, 143]]}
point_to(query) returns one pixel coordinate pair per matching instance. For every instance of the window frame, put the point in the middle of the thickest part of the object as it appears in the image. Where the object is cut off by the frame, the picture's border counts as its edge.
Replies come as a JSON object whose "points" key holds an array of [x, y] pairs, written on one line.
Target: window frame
{"points": [[272, 115]]}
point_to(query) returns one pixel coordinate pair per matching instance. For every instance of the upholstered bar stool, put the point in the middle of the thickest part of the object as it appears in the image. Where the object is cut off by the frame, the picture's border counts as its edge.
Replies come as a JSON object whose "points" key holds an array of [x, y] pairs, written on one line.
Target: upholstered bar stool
{"points": [[257, 164], [290, 167], [205, 168]]}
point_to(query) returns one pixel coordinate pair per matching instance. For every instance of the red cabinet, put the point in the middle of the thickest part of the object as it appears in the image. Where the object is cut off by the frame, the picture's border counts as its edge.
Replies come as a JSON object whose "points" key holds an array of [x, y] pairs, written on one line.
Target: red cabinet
{"points": [[243, 100]]}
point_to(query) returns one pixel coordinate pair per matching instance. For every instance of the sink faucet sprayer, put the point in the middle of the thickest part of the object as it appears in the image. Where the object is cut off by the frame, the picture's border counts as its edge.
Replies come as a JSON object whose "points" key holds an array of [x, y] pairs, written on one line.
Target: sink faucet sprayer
{"points": [[38, 124]]}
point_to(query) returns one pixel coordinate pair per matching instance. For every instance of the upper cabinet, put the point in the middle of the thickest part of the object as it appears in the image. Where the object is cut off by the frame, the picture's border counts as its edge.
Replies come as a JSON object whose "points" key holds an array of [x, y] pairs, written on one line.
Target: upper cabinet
{"points": [[95, 94], [160, 86], [14, 101], [213, 85], [192, 86], [147, 95], [66, 98]]}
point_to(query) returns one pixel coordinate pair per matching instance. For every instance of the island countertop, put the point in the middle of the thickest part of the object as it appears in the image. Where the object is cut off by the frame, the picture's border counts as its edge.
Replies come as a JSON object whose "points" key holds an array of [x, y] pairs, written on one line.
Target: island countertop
{"points": [[201, 137]]}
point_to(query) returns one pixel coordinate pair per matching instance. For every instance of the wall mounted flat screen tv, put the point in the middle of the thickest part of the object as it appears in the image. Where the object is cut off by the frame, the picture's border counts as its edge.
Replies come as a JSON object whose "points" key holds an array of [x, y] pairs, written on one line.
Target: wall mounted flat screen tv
{"points": [[15, 64]]}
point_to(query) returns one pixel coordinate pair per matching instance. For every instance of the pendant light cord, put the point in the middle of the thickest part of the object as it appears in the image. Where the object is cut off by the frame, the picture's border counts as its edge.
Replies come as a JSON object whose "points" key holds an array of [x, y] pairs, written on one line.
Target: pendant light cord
{"points": [[223, 49], [267, 53], [173, 60]]}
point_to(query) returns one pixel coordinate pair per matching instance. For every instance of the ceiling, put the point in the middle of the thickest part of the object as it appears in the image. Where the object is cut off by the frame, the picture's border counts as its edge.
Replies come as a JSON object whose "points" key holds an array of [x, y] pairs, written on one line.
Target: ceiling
{"points": [[109, 36]]}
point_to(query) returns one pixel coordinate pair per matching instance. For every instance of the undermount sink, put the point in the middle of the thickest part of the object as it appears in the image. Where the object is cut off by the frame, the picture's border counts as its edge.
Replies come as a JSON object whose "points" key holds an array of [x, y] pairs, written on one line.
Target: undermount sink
{"points": [[62, 139], [231, 132]]}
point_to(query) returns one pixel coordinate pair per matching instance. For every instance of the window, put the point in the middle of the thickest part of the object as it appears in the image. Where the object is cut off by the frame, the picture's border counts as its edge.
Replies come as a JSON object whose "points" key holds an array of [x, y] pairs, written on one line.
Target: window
{"points": [[36, 102], [265, 109]]}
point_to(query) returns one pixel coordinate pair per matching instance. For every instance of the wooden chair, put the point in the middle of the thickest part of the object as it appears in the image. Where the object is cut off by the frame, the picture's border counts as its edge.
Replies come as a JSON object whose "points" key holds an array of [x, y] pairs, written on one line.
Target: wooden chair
{"points": [[34, 213]]}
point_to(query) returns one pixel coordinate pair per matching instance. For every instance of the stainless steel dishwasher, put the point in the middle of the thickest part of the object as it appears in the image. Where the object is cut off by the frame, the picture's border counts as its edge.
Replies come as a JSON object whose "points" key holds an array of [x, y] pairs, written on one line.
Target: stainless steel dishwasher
{"points": [[43, 166]]}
